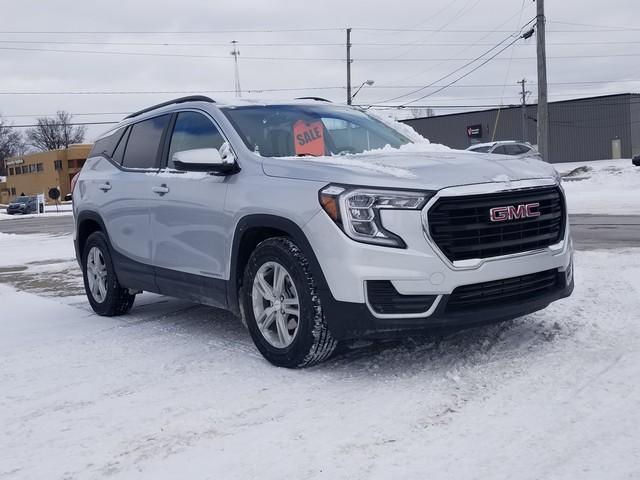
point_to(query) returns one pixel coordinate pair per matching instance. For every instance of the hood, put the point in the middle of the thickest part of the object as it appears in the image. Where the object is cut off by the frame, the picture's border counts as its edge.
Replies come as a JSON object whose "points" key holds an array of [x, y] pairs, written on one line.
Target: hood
{"points": [[415, 170]]}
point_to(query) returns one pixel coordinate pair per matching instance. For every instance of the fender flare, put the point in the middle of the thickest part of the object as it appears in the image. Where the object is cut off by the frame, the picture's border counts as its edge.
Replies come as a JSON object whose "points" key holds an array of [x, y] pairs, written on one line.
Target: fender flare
{"points": [[82, 217], [290, 228]]}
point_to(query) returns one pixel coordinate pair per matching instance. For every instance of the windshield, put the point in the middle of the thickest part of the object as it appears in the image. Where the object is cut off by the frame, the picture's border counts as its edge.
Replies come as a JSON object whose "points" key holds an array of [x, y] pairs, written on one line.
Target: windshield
{"points": [[303, 130], [22, 200]]}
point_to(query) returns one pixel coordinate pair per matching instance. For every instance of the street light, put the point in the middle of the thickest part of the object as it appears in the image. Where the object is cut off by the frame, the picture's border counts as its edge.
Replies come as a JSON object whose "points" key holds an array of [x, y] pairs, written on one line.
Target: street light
{"points": [[366, 82]]}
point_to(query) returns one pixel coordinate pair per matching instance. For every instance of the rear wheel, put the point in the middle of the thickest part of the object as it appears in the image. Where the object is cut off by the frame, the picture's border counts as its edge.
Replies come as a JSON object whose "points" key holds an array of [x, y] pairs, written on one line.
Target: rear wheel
{"points": [[106, 296], [281, 306]]}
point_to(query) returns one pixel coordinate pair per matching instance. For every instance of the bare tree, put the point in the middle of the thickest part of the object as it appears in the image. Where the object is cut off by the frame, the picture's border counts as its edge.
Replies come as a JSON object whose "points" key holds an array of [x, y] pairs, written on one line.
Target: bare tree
{"points": [[54, 133], [11, 144]]}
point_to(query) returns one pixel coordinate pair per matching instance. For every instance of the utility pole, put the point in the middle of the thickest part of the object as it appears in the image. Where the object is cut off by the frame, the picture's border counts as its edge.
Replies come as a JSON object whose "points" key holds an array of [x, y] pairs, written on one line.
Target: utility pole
{"points": [[348, 66], [543, 107], [523, 94], [236, 52]]}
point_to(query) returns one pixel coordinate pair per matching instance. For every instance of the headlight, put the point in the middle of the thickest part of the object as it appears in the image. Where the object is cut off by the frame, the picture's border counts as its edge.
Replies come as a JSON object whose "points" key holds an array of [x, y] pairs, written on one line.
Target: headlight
{"points": [[357, 211]]}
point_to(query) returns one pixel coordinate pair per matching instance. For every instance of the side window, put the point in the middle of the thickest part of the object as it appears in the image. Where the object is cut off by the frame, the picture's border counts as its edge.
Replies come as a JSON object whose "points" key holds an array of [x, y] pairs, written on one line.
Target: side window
{"points": [[514, 149], [106, 145], [524, 148], [192, 131], [144, 142], [501, 150], [118, 155]]}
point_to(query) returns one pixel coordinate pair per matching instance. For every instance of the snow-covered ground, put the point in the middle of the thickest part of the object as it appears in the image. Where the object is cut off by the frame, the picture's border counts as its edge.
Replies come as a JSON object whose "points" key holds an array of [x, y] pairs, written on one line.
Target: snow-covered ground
{"points": [[176, 390], [607, 187]]}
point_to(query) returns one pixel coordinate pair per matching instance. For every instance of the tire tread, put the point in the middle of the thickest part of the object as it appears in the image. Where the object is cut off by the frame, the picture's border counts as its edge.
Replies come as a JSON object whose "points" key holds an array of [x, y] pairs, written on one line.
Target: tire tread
{"points": [[323, 344]]}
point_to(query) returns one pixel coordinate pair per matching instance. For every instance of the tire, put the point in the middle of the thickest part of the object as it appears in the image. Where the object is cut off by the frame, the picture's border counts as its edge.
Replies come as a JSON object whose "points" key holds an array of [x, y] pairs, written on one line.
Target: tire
{"points": [[311, 340], [113, 299]]}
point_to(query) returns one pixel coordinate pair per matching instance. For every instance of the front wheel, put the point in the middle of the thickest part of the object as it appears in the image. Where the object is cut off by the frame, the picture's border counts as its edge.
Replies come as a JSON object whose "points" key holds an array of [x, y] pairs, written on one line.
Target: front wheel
{"points": [[106, 296], [281, 306]]}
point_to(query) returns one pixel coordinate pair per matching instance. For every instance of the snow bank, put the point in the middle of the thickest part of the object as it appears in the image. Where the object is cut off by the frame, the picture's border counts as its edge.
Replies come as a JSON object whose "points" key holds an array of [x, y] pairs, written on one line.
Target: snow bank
{"points": [[607, 187]]}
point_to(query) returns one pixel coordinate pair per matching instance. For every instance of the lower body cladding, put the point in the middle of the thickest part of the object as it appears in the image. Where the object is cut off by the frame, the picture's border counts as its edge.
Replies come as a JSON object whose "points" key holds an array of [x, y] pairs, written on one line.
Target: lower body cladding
{"points": [[381, 292]]}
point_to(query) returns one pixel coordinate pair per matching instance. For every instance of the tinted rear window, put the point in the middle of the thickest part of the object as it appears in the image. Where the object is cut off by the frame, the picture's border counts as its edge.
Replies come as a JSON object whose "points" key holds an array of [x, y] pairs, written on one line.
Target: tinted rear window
{"points": [[514, 149], [118, 154], [106, 145], [501, 150], [144, 142]]}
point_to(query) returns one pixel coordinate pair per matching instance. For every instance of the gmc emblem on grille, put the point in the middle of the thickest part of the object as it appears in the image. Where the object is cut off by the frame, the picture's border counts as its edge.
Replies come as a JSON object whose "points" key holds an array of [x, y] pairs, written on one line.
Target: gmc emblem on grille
{"points": [[514, 212]]}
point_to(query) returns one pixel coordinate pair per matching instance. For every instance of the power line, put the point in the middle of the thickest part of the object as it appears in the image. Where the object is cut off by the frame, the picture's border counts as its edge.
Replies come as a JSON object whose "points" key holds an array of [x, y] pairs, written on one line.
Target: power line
{"points": [[165, 32], [58, 124], [592, 28], [456, 16], [296, 89], [599, 29], [465, 75], [461, 67], [153, 54], [455, 55], [305, 44], [308, 59], [165, 92], [514, 96], [174, 44], [592, 25]]}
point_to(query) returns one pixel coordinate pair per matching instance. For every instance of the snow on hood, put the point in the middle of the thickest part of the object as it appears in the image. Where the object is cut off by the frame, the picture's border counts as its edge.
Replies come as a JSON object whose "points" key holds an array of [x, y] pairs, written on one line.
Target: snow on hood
{"points": [[416, 165], [367, 160]]}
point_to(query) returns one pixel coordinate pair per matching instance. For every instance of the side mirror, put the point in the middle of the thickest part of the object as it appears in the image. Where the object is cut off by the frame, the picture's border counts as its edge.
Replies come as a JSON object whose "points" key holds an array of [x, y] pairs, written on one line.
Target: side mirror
{"points": [[204, 160]]}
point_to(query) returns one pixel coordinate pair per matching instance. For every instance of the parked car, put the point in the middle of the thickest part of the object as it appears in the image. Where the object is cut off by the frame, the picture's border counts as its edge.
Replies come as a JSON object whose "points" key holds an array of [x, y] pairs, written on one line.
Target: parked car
{"points": [[513, 148], [23, 205], [262, 209]]}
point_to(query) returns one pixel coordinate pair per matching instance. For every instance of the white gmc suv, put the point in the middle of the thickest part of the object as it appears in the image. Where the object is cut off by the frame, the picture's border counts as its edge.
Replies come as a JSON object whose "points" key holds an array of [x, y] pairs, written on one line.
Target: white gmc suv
{"points": [[316, 223]]}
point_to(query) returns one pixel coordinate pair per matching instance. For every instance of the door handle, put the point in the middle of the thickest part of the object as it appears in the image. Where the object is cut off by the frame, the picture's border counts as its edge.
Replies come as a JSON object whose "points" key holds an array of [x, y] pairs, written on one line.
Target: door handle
{"points": [[161, 190], [105, 187]]}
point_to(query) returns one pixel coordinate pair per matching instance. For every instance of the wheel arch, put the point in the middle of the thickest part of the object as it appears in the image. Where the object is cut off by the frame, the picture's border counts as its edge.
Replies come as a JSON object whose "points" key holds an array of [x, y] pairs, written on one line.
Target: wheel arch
{"points": [[249, 232], [87, 223]]}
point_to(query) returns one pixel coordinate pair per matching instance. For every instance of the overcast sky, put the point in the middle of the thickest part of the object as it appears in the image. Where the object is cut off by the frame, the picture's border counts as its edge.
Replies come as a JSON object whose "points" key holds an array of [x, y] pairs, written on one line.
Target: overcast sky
{"points": [[433, 38]]}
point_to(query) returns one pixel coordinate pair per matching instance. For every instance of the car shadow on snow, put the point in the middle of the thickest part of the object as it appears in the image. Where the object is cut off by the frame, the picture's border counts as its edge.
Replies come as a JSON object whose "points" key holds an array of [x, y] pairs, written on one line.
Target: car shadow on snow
{"points": [[219, 329], [435, 351]]}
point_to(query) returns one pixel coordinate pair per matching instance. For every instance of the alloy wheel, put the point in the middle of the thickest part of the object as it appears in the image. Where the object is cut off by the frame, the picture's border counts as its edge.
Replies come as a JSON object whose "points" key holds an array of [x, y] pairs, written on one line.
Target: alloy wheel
{"points": [[276, 306], [97, 274]]}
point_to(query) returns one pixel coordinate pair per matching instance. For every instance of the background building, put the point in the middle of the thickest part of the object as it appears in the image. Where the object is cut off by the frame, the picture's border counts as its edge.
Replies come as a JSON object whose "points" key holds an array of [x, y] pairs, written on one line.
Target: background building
{"points": [[38, 172], [595, 128], [4, 191]]}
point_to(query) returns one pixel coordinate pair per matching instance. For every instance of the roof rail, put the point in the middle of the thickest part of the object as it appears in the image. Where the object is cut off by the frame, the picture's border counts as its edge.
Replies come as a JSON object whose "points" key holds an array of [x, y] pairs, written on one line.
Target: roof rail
{"points": [[317, 99], [191, 98]]}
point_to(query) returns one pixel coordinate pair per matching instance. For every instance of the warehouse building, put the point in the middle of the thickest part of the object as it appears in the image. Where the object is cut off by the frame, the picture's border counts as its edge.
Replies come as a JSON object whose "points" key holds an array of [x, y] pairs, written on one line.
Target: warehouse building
{"points": [[594, 128], [38, 172]]}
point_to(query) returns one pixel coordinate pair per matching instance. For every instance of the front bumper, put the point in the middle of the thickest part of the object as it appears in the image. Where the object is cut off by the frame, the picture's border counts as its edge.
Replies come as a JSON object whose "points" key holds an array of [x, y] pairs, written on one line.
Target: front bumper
{"points": [[348, 320]]}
